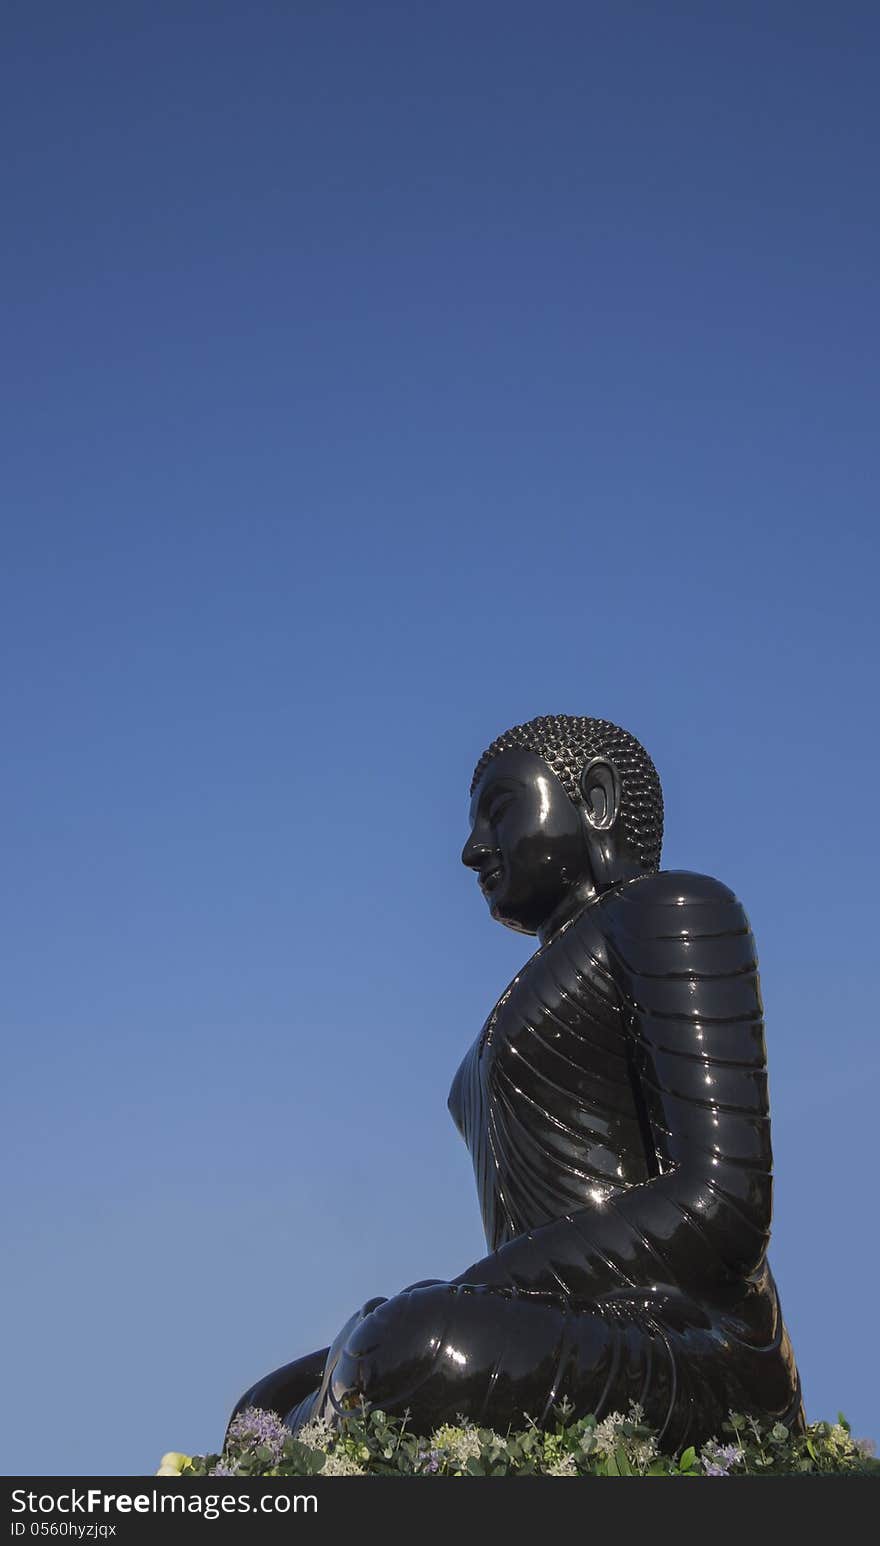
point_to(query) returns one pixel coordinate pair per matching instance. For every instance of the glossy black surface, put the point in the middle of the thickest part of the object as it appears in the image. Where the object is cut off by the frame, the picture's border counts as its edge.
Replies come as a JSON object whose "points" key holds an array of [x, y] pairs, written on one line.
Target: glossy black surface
{"points": [[615, 1108]]}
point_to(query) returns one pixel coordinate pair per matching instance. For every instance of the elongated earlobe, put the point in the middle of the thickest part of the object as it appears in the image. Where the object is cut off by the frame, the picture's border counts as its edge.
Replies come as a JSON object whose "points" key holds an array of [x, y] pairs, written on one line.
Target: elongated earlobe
{"points": [[600, 788]]}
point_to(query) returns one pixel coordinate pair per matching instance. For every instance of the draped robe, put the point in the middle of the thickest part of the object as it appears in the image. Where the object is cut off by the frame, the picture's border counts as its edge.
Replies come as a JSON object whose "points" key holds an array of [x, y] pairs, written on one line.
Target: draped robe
{"points": [[615, 1107]]}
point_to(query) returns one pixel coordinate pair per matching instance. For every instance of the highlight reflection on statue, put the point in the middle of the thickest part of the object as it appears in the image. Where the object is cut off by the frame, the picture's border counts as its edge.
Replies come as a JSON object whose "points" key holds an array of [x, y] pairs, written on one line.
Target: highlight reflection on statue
{"points": [[615, 1108]]}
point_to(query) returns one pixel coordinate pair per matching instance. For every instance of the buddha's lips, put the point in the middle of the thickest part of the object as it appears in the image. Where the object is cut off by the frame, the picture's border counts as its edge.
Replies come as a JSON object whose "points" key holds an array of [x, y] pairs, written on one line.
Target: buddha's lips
{"points": [[490, 878]]}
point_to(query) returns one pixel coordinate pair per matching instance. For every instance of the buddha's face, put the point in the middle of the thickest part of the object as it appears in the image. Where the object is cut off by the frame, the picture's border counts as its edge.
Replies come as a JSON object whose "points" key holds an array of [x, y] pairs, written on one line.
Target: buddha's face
{"points": [[528, 843]]}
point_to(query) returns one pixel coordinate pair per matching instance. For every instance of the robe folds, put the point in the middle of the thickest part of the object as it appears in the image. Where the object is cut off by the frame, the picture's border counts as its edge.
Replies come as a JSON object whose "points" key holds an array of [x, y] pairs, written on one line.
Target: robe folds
{"points": [[615, 1107]]}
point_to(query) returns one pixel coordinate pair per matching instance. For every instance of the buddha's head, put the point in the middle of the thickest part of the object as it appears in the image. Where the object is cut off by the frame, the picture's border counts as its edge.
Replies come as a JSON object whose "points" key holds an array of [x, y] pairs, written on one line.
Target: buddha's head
{"points": [[561, 808]]}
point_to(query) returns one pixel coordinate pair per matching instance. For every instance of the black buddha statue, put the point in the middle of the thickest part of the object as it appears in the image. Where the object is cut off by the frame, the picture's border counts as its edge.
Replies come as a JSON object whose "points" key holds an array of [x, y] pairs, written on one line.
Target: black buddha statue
{"points": [[615, 1107]]}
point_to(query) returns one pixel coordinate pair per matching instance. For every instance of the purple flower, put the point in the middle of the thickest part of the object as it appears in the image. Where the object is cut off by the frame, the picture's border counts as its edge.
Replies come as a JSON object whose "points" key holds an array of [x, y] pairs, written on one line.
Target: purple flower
{"points": [[253, 1428], [866, 1448], [717, 1459], [429, 1460], [221, 1469], [730, 1454]]}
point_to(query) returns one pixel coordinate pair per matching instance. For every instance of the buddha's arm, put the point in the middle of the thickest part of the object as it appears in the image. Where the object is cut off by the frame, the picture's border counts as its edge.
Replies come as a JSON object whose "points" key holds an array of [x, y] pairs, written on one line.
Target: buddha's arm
{"points": [[683, 955]]}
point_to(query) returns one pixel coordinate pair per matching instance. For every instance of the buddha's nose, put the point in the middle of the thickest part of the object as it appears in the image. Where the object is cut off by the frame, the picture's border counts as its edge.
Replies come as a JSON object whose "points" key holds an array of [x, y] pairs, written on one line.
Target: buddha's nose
{"points": [[475, 851]]}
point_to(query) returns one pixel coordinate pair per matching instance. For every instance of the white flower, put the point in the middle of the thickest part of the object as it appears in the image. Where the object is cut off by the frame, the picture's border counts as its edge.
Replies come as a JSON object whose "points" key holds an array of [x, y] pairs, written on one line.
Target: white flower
{"points": [[317, 1434], [461, 1444], [566, 1465], [608, 1433], [341, 1465], [641, 1452]]}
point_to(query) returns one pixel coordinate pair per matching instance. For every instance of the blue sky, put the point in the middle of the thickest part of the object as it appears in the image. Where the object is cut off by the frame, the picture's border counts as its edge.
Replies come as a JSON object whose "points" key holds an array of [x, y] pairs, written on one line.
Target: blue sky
{"points": [[378, 376]]}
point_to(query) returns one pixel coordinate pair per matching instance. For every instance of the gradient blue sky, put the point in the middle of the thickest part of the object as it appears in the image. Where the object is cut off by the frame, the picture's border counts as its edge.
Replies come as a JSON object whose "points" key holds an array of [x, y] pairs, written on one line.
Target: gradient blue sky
{"points": [[378, 376]]}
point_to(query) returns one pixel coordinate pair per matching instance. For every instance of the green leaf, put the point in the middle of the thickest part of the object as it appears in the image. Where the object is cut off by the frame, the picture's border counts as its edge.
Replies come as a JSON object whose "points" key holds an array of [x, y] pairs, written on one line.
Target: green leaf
{"points": [[308, 1461], [611, 1468], [623, 1466]]}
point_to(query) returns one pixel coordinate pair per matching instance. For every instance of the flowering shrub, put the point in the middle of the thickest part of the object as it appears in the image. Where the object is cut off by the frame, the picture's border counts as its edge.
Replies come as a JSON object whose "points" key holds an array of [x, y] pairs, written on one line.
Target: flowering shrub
{"points": [[373, 1444]]}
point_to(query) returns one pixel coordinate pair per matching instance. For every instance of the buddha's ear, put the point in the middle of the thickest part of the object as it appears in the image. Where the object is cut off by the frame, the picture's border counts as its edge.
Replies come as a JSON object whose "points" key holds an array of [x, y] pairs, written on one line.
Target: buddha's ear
{"points": [[600, 787]]}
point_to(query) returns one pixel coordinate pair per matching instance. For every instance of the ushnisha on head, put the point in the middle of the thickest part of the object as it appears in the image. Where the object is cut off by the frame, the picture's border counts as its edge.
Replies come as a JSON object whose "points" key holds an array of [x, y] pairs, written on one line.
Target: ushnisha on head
{"points": [[562, 807]]}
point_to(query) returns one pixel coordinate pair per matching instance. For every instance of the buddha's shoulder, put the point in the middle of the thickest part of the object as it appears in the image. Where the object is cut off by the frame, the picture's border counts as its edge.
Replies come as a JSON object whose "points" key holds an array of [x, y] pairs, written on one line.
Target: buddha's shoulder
{"points": [[674, 888], [673, 901]]}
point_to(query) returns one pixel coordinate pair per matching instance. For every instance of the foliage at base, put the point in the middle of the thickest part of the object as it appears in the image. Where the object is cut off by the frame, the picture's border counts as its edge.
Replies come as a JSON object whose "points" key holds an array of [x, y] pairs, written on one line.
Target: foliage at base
{"points": [[373, 1444]]}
